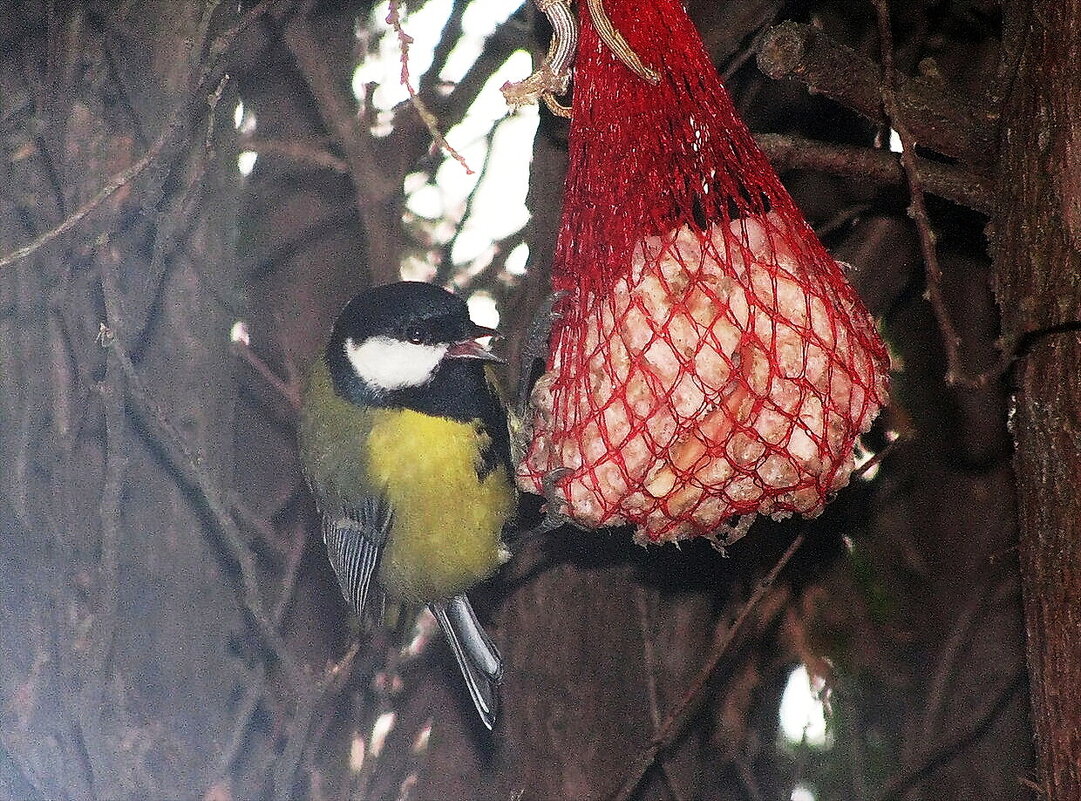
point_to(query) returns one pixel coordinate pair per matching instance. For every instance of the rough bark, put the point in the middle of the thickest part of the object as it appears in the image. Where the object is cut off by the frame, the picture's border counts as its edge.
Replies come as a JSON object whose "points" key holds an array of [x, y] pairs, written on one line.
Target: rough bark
{"points": [[1038, 282], [302, 256], [943, 120], [109, 690]]}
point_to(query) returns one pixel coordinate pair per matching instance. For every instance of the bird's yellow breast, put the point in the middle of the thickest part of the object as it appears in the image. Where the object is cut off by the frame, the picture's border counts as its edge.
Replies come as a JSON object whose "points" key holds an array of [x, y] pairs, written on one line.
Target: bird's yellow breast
{"points": [[447, 521]]}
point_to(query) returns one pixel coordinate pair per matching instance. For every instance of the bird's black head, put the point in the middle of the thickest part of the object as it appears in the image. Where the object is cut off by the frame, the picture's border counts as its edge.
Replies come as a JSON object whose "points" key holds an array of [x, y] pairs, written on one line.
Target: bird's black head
{"points": [[392, 342]]}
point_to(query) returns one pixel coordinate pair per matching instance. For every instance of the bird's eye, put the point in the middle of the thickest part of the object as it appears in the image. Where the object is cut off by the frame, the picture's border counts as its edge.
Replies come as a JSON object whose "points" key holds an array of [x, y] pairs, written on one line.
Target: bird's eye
{"points": [[415, 335]]}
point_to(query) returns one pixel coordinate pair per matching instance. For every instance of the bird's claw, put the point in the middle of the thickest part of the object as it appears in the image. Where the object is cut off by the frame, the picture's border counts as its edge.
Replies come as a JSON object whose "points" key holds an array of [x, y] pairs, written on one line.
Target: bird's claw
{"points": [[555, 506], [536, 345]]}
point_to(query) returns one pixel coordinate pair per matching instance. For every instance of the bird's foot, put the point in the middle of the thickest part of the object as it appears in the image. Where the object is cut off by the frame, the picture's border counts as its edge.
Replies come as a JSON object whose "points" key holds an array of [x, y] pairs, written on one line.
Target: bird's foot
{"points": [[536, 346], [555, 506]]}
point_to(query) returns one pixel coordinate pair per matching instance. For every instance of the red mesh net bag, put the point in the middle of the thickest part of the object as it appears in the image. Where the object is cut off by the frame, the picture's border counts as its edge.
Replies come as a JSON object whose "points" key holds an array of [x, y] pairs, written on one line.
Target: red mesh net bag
{"points": [[710, 362]]}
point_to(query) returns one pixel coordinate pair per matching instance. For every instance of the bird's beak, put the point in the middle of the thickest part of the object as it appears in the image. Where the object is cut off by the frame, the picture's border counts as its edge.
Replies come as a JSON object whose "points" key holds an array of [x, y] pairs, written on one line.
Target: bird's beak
{"points": [[471, 349]]}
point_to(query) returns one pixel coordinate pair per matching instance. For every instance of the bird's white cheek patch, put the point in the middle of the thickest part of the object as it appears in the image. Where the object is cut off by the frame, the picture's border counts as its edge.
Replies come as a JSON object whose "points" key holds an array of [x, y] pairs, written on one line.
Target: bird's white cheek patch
{"points": [[389, 364]]}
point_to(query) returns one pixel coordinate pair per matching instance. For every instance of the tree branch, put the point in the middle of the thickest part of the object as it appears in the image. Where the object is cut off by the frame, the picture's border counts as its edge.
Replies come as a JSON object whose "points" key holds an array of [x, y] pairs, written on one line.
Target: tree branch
{"points": [[446, 267], [176, 129], [973, 728], [938, 117], [185, 463], [410, 136], [372, 187], [311, 153], [967, 188], [488, 277], [177, 123], [678, 719], [951, 338], [649, 662]]}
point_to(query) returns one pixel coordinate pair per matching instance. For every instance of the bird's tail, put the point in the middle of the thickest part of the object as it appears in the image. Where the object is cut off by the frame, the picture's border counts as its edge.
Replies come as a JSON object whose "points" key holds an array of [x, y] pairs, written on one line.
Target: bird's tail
{"points": [[477, 656]]}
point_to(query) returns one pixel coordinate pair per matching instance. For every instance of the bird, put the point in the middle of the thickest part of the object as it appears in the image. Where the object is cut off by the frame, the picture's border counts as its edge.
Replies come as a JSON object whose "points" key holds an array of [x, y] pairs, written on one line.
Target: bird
{"points": [[404, 441]]}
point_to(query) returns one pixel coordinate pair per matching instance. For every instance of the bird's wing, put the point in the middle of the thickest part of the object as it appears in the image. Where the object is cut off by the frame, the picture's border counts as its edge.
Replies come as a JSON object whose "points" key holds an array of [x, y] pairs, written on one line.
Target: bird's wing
{"points": [[354, 538], [476, 654]]}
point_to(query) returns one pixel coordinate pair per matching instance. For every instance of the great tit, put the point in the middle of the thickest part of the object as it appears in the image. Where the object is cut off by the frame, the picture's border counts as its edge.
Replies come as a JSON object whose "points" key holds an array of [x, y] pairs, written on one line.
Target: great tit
{"points": [[404, 442]]}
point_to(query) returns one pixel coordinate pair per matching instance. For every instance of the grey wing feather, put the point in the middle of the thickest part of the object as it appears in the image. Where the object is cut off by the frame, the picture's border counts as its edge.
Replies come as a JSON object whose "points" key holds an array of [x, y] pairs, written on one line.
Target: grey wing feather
{"points": [[354, 538], [476, 654]]}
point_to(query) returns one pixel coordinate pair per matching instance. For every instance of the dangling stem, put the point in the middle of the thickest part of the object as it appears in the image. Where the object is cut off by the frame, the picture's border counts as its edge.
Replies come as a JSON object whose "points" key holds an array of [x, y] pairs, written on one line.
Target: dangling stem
{"points": [[553, 76], [427, 117], [617, 44]]}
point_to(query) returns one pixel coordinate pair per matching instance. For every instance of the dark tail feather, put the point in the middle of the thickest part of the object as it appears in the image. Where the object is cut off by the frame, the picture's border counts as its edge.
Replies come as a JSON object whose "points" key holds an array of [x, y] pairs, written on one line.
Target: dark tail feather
{"points": [[478, 659]]}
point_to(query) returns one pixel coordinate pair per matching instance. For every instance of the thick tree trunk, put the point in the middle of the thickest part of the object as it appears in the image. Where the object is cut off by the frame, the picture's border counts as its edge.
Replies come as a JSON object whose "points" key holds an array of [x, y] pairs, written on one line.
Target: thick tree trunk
{"points": [[116, 610], [1038, 273]]}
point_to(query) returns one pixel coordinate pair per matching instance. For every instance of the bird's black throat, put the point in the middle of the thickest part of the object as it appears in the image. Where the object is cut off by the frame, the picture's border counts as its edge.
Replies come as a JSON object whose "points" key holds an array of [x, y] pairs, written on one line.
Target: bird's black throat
{"points": [[457, 390]]}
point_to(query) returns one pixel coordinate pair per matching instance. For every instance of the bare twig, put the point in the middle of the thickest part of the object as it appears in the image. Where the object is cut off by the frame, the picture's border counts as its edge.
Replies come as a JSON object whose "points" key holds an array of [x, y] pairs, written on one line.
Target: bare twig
{"points": [[448, 40], [300, 726], [116, 456], [748, 779], [649, 661], [787, 152], [372, 189], [411, 137], [691, 703], [427, 117], [949, 655], [862, 470], [289, 392], [261, 523], [938, 118], [296, 738], [173, 227], [335, 110], [256, 688], [283, 249], [446, 263], [377, 176], [974, 728], [487, 277], [117, 182], [249, 703], [956, 374], [179, 455], [288, 579], [310, 153], [175, 129], [969, 621], [645, 623]]}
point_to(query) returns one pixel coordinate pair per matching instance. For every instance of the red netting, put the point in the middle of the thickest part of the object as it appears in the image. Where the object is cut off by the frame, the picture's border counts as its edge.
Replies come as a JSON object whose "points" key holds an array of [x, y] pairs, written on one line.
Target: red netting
{"points": [[711, 359]]}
